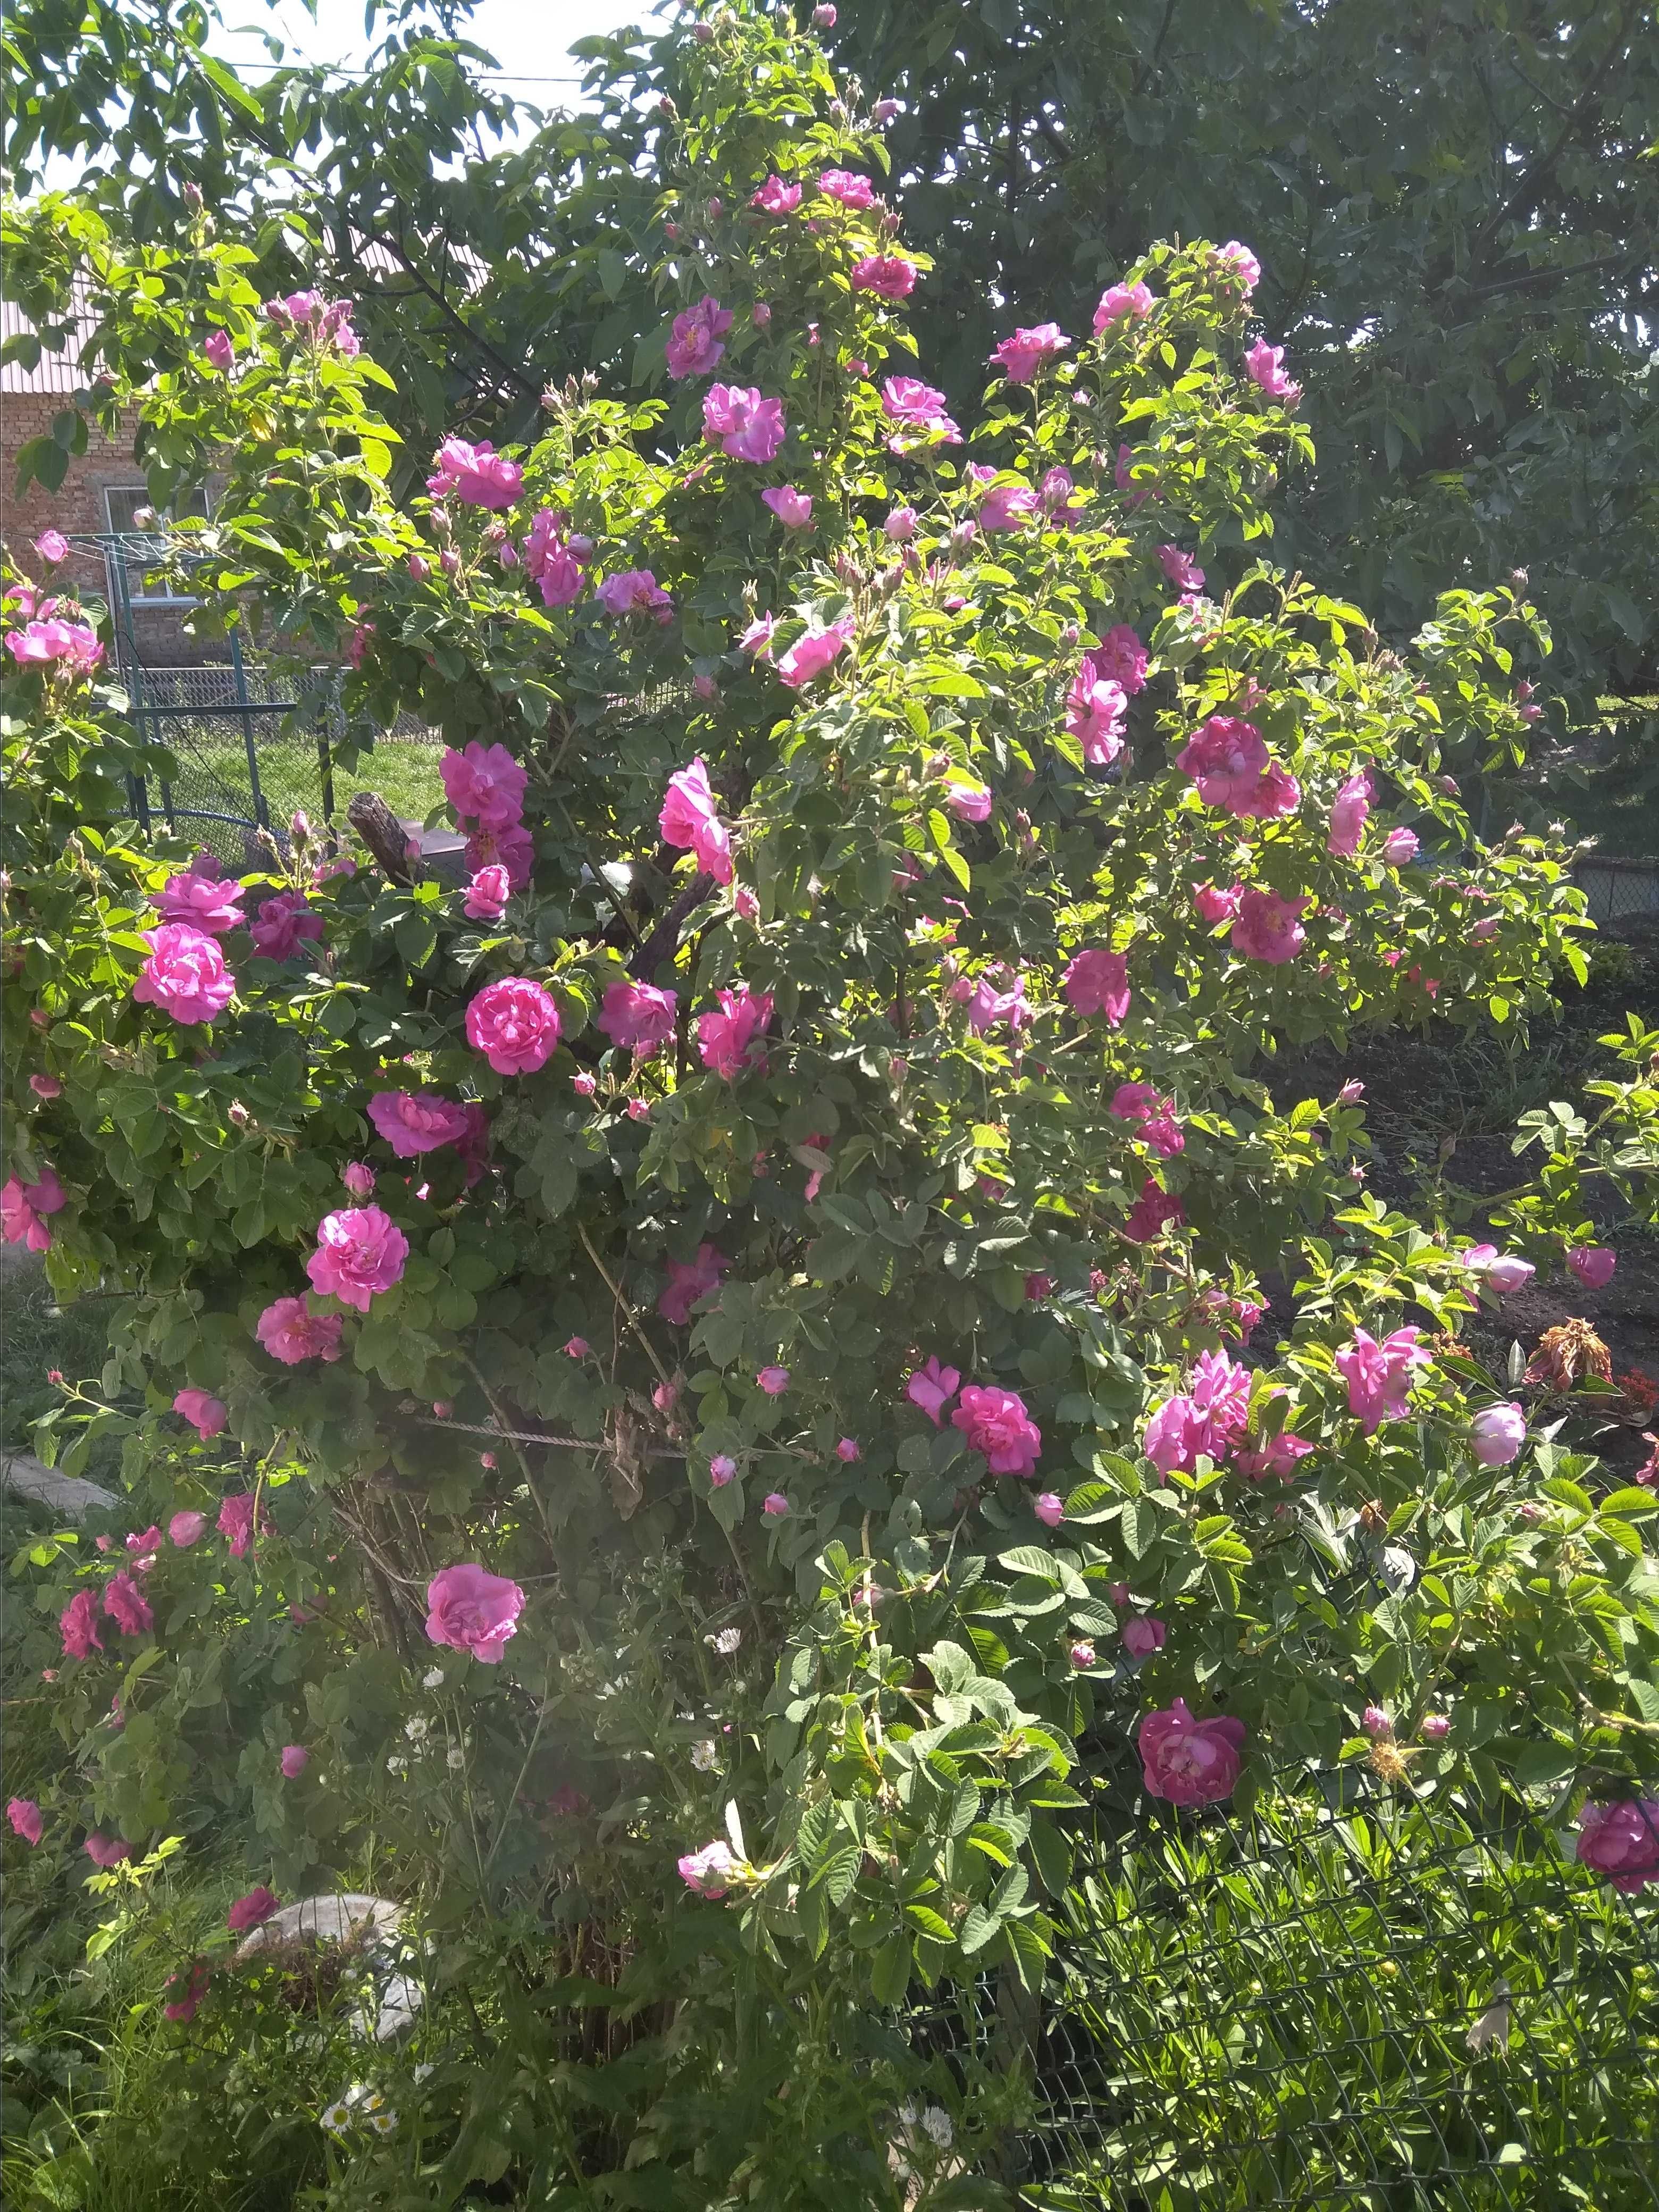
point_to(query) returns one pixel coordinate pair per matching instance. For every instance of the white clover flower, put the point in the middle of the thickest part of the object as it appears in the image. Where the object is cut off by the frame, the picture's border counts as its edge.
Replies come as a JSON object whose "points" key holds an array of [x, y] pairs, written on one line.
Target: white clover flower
{"points": [[705, 1756], [415, 1728], [433, 1679], [937, 2127], [727, 1641]]}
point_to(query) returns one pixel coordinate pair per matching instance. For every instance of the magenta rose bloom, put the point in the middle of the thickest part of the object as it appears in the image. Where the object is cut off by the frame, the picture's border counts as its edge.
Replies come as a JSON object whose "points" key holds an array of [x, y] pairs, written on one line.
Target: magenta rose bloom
{"points": [[472, 1610], [184, 975], [486, 894], [690, 1281], [1155, 1209], [24, 1206], [413, 1122], [184, 1990], [1121, 303], [1264, 365], [283, 924], [294, 1760], [185, 1529], [995, 1422], [1095, 708], [1182, 571], [290, 1332], [1240, 265], [106, 1851], [361, 1252], [1379, 1376], [932, 1388], [514, 1023], [1621, 1841], [250, 1911], [728, 1040], [25, 1817], [1267, 927], [1593, 1264], [236, 1522], [1190, 1762], [1142, 1637], [776, 198], [484, 784], [40, 642], [698, 338], [812, 653], [127, 1606], [512, 849], [635, 591], [1020, 357], [707, 1872], [744, 424], [1225, 757], [889, 276], [1119, 658], [476, 474], [792, 508], [1215, 905], [690, 821], [77, 1624], [638, 1017], [1098, 983], [206, 1414], [1349, 811], [212, 904], [852, 191]]}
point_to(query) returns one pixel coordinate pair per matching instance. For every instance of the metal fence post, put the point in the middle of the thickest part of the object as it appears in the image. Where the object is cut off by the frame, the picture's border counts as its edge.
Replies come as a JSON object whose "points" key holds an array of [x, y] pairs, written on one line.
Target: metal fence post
{"points": [[261, 812]]}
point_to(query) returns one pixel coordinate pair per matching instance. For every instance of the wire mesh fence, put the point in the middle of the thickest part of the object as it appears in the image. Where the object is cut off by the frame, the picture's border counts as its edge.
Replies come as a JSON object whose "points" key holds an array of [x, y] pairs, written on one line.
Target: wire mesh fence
{"points": [[1351, 1996]]}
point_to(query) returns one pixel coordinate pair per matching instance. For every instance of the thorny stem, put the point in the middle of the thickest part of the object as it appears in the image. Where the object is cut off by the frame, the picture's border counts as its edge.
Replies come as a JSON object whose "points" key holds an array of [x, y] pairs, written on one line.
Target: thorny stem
{"points": [[622, 1306]]}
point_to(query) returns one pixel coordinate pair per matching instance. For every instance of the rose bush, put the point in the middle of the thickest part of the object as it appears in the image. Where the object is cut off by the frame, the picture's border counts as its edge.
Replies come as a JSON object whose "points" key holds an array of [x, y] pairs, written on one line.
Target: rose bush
{"points": [[770, 1276]]}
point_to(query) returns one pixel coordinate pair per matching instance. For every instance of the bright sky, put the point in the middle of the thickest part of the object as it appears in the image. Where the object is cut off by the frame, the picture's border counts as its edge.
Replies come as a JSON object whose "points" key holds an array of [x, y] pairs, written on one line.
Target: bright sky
{"points": [[530, 39]]}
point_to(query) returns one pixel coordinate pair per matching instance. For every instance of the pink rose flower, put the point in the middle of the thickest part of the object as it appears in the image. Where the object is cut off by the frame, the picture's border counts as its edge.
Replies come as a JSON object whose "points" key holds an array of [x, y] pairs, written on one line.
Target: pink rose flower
{"points": [[1006, 506], [812, 653], [1240, 265], [638, 1017], [889, 276], [1190, 1762], [185, 1529], [290, 1332], [77, 1624], [1049, 1508], [1379, 1376], [575, 1348], [901, 525], [127, 1606], [252, 1910], [932, 1388], [512, 849], [415, 1122], [25, 1817], [689, 820], [775, 1505], [46, 1087], [361, 1253], [39, 643], [722, 1469], [484, 784], [1216, 906], [219, 352], [707, 1872], [24, 1208], [1122, 303], [1142, 1637], [1498, 1434], [1267, 929], [144, 1545], [206, 1414], [1399, 847], [1020, 357], [744, 425], [212, 904], [919, 411], [727, 1039], [776, 198], [1593, 1264], [1155, 1209], [1226, 758], [1208, 1420], [995, 1422], [848, 1451], [472, 1610], [1144, 1105], [968, 802], [236, 1522], [792, 508], [1503, 1271], [283, 924], [1621, 1841], [106, 1851], [1436, 1727], [476, 474], [852, 191], [1119, 658], [1082, 1654], [1349, 811], [183, 1991], [775, 1380], [486, 894], [635, 591], [756, 640], [1182, 571], [1264, 366], [184, 975], [1097, 983], [514, 1023], [53, 547], [698, 338], [689, 1281], [584, 1083]]}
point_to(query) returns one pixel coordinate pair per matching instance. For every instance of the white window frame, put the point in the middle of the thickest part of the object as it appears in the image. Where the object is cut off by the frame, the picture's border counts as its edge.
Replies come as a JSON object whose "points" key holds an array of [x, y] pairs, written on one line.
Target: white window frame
{"points": [[140, 593]]}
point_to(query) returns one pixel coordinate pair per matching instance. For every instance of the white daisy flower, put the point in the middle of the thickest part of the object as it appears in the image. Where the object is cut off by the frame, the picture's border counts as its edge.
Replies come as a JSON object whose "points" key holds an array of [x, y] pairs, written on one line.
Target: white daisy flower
{"points": [[705, 1756]]}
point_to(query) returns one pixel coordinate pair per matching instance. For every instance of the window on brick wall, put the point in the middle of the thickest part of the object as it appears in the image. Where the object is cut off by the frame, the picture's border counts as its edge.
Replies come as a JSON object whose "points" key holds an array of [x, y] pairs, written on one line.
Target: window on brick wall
{"points": [[121, 504]]}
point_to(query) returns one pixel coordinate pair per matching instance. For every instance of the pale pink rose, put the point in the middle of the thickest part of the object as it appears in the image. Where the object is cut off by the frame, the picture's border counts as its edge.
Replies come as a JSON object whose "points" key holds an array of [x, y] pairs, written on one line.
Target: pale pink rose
{"points": [[852, 191], [756, 640], [638, 1017], [995, 1422], [1020, 357], [184, 975], [212, 904], [792, 508], [707, 1872], [665, 1397], [812, 653], [1190, 1762], [901, 525], [24, 1208], [775, 1380], [1266, 928], [1593, 1264], [698, 338], [484, 784], [1122, 303], [127, 1606], [472, 1610], [1349, 811], [294, 1761], [185, 1529], [476, 474], [1498, 1434], [206, 1414], [1097, 982], [25, 1817], [1379, 1376], [968, 802], [635, 591], [1399, 847], [722, 1469], [252, 1910], [106, 1851], [514, 1023], [727, 1039], [1049, 1508], [1504, 1271], [1143, 1635], [690, 1281], [1006, 506], [742, 422], [290, 1332], [486, 894], [361, 1253], [1621, 1842], [283, 924], [932, 1388], [415, 1122], [776, 198], [53, 547]]}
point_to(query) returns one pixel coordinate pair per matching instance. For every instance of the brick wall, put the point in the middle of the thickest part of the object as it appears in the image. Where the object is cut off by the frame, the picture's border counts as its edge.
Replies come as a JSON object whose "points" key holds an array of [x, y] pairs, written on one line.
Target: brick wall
{"points": [[78, 506]]}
